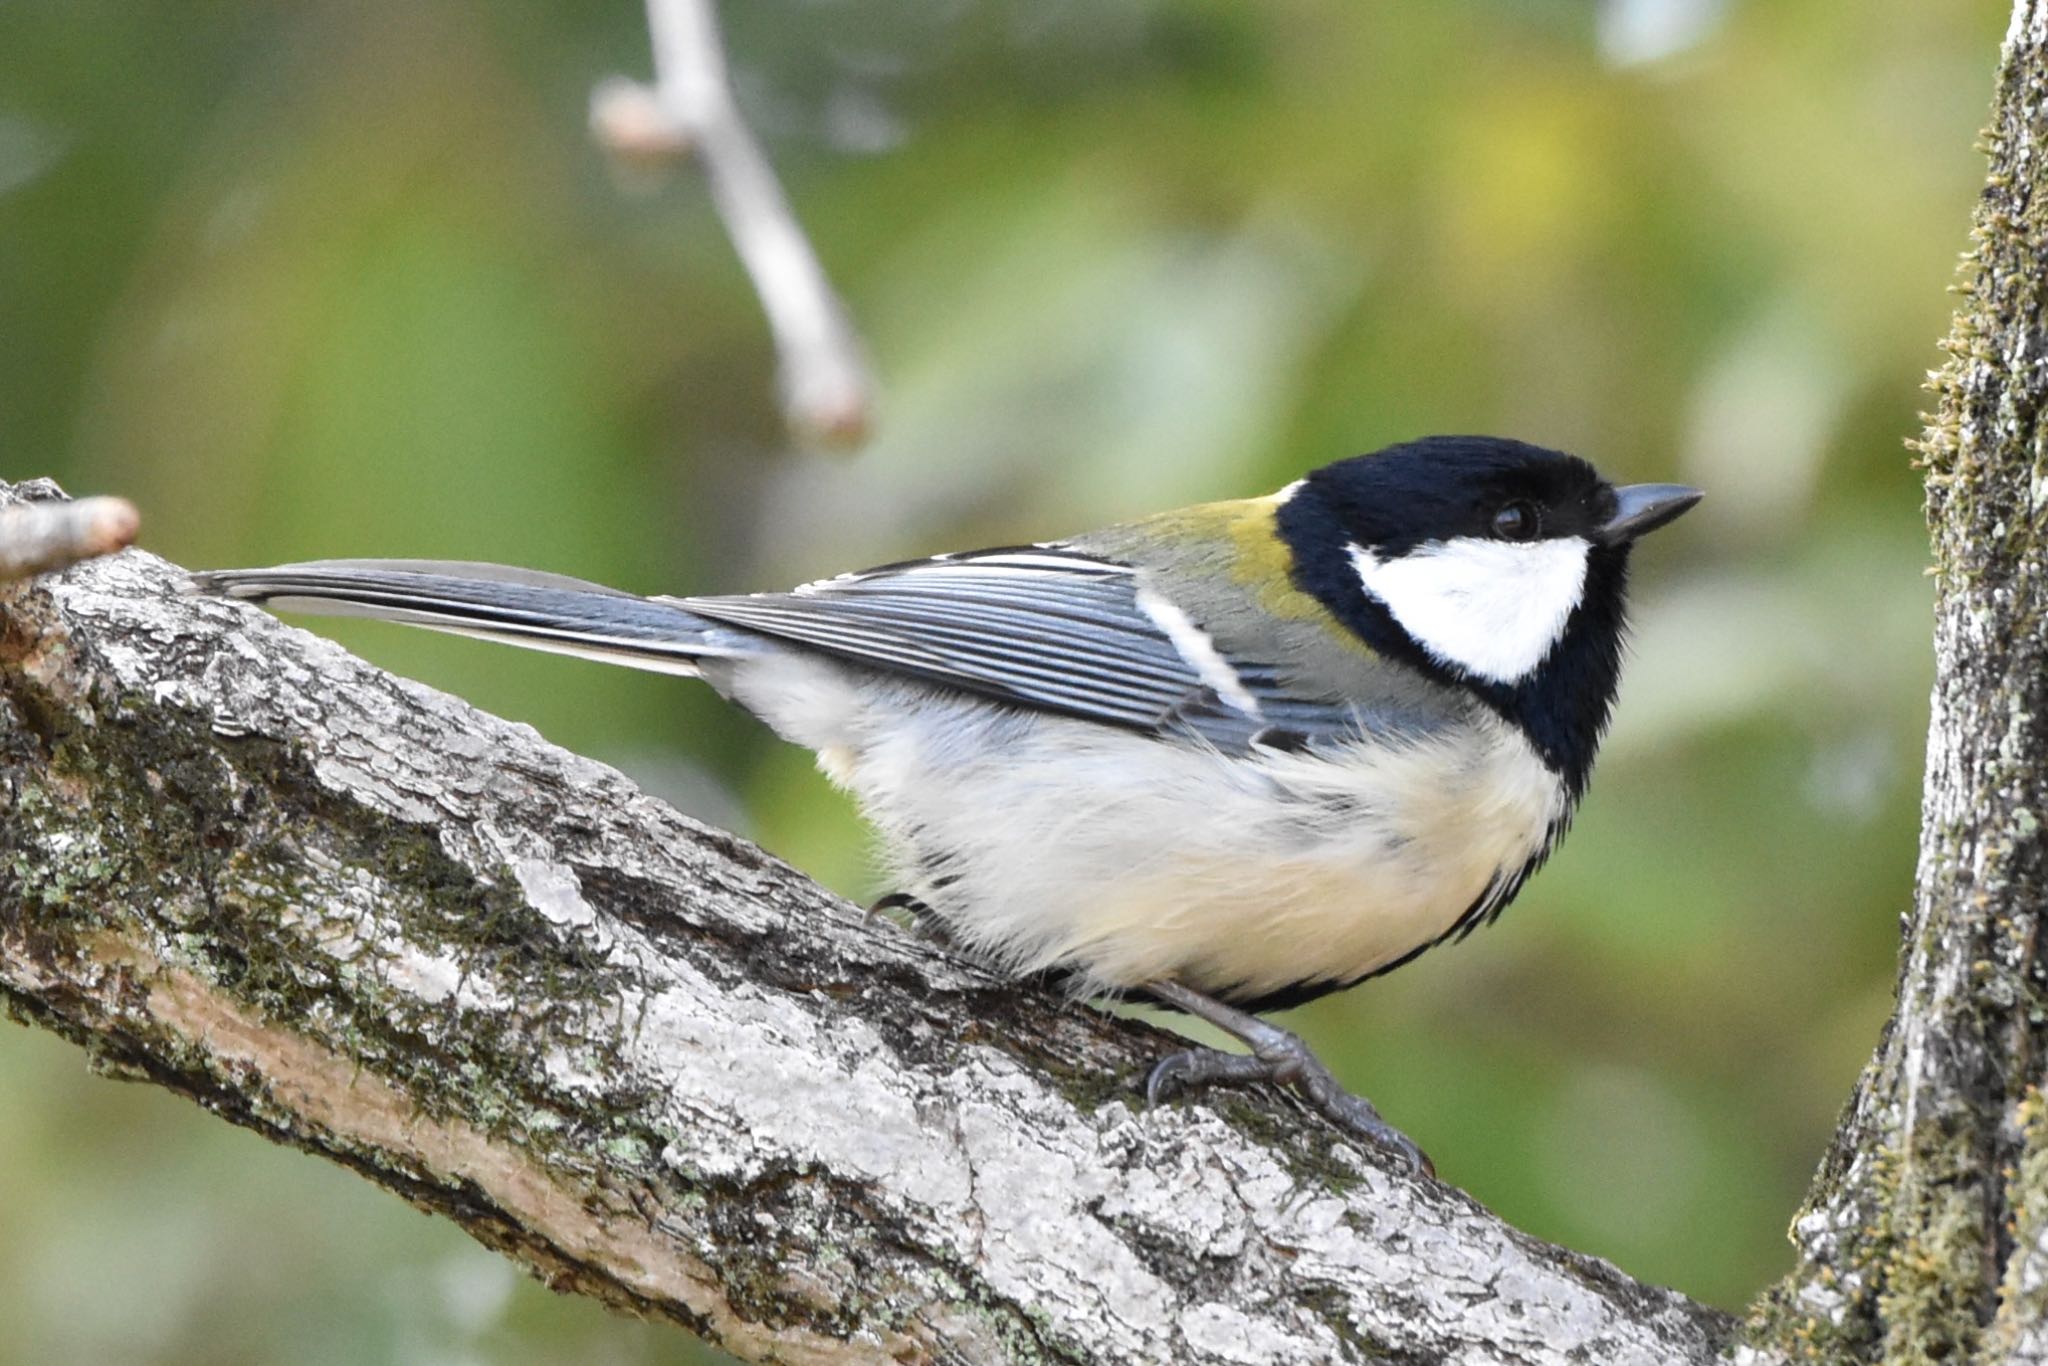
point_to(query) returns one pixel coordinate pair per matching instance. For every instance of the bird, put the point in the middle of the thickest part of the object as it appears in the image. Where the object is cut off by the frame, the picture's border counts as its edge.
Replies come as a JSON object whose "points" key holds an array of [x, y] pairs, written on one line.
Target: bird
{"points": [[1224, 759]]}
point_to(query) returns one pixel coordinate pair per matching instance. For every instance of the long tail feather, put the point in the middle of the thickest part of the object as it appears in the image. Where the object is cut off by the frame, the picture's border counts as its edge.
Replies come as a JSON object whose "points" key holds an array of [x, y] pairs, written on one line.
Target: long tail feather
{"points": [[494, 602]]}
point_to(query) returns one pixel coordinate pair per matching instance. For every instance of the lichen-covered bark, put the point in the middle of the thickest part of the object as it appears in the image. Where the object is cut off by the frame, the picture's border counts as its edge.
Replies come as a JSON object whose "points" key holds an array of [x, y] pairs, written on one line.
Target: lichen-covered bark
{"points": [[1925, 1238], [657, 1066]]}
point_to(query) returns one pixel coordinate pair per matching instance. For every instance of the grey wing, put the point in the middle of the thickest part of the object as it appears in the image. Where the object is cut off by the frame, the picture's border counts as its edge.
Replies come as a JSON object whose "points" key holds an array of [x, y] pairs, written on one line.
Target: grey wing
{"points": [[1046, 628]]}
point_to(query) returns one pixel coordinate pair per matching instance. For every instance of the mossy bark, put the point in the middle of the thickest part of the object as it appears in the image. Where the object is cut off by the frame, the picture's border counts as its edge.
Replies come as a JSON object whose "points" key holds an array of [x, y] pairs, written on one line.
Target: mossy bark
{"points": [[657, 1066], [1925, 1238]]}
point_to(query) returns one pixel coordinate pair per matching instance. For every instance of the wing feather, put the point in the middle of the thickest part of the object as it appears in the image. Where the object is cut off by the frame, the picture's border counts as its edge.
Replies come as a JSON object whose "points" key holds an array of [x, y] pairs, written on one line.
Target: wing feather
{"points": [[1038, 626]]}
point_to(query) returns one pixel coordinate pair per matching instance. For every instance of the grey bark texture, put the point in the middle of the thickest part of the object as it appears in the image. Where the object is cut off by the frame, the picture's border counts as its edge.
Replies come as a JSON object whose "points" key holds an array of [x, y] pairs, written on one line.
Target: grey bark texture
{"points": [[1925, 1238], [654, 1064]]}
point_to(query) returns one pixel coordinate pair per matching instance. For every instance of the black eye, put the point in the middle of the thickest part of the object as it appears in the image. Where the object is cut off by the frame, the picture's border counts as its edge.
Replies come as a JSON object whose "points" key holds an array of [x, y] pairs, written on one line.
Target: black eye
{"points": [[1516, 522]]}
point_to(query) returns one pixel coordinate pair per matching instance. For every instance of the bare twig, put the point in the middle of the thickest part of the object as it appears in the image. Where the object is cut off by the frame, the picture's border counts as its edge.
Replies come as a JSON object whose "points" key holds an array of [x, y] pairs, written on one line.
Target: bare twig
{"points": [[827, 390], [38, 537]]}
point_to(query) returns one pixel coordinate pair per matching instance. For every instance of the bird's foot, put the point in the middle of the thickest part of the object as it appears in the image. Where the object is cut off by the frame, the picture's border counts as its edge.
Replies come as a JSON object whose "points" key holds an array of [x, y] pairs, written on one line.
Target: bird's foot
{"points": [[1276, 1056]]}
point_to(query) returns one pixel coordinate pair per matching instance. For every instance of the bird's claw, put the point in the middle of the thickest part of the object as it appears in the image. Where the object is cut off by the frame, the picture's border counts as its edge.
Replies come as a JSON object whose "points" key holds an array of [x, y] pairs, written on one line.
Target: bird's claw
{"points": [[908, 912], [1290, 1064], [1197, 1067]]}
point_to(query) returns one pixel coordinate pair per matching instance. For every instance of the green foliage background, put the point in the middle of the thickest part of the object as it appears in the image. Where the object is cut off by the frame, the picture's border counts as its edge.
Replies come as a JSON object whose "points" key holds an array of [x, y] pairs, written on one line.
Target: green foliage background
{"points": [[347, 278]]}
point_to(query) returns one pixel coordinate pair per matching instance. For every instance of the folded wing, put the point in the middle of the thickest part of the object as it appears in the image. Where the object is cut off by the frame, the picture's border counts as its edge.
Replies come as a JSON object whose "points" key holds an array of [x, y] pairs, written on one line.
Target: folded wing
{"points": [[1046, 628]]}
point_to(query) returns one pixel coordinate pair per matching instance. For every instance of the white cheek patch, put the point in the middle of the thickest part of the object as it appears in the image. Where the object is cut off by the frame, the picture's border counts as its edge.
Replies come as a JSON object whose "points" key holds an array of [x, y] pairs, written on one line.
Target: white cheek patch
{"points": [[1492, 608]]}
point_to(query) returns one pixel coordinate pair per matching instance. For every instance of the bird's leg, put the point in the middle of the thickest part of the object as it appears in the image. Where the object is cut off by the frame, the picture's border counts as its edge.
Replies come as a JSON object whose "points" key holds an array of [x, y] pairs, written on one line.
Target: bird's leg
{"points": [[1276, 1056]]}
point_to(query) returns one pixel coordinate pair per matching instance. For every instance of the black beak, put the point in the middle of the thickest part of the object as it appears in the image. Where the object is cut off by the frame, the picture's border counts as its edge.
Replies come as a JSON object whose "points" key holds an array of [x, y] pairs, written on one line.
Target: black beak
{"points": [[1642, 508]]}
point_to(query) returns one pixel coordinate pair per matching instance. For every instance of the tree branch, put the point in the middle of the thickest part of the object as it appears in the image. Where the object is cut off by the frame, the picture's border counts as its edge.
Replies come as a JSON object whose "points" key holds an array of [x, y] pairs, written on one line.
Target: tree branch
{"points": [[36, 537], [827, 391], [657, 1066]]}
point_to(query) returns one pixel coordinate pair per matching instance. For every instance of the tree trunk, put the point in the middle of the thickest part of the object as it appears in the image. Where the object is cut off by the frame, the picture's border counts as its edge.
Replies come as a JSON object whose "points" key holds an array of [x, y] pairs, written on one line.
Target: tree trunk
{"points": [[1926, 1235]]}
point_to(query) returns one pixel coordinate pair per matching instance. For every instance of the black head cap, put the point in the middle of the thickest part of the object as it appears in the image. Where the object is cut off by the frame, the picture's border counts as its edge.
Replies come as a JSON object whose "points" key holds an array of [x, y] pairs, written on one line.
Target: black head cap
{"points": [[1443, 487]]}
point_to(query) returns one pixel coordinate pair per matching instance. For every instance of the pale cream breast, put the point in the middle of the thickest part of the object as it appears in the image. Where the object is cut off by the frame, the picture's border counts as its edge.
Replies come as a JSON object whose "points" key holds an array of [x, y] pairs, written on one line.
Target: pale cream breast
{"points": [[1402, 843], [1045, 842], [1127, 859]]}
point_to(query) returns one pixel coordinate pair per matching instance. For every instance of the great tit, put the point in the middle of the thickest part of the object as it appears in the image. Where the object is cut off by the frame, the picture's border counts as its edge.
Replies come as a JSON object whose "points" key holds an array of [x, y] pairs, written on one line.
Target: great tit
{"points": [[1226, 758]]}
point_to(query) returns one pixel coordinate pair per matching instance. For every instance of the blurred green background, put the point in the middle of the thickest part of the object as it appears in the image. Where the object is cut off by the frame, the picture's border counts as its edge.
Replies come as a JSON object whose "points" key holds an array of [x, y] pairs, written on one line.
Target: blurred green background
{"points": [[348, 278]]}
